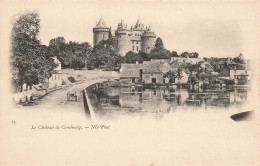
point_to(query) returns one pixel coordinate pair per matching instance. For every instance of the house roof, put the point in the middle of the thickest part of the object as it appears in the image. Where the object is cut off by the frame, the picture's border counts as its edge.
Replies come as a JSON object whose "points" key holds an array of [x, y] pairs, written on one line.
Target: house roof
{"points": [[130, 70], [237, 67], [122, 25], [221, 60], [156, 66]]}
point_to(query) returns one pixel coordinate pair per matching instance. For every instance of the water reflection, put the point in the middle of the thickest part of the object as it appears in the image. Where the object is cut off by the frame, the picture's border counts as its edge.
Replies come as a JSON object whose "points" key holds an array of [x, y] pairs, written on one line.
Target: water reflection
{"points": [[162, 100]]}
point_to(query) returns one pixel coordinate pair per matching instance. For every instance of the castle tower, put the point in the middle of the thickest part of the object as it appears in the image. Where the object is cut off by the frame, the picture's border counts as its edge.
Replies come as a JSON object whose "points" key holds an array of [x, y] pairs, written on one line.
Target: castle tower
{"points": [[148, 40], [100, 32], [123, 38]]}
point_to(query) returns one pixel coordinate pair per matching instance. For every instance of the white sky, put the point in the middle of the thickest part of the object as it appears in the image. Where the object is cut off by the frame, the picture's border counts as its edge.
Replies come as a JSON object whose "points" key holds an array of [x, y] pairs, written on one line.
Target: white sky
{"points": [[211, 29]]}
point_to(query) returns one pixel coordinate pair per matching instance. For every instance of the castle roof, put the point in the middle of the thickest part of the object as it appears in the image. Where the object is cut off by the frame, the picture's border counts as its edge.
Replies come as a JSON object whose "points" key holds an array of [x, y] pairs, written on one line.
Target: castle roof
{"points": [[148, 32], [122, 25], [101, 24], [139, 25]]}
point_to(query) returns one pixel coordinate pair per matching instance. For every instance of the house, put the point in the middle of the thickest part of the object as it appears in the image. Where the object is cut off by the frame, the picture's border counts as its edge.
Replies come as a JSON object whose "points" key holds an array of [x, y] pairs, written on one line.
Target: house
{"points": [[206, 66], [240, 74], [182, 72], [130, 73], [154, 70], [56, 79], [218, 63], [148, 72]]}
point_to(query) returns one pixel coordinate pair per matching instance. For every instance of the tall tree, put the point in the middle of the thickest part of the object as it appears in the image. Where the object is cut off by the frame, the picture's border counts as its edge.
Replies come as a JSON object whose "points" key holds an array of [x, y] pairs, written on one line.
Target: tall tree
{"points": [[102, 54], [159, 43], [159, 52], [30, 60]]}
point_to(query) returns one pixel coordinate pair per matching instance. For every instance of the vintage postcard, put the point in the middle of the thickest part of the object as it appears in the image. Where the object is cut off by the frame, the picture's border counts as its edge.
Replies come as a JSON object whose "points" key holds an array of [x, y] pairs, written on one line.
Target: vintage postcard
{"points": [[129, 83]]}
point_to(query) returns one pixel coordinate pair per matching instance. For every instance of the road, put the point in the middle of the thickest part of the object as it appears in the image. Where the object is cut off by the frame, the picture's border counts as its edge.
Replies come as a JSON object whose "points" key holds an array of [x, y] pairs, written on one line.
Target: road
{"points": [[57, 100]]}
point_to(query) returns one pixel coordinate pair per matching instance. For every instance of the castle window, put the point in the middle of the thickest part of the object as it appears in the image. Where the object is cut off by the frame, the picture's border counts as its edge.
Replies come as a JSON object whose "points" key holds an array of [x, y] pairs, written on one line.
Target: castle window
{"points": [[133, 48], [133, 42], [137, 42], [137, 48]]}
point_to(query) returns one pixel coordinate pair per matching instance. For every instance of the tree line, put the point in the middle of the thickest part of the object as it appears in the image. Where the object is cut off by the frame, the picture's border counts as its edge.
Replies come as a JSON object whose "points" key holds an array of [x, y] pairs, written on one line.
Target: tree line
{"points": [[31, 62]]}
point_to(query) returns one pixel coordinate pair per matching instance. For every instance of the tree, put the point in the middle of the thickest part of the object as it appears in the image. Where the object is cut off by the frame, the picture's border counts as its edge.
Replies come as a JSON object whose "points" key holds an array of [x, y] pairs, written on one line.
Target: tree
{"points": [[240, 59], [159, 43], [31, 62], [171, 75], [145, 56], [102, 54], [193, 55], [159, 52], [72, 54], [184, 55], [57, 41], [174, 54], [131, 57]]}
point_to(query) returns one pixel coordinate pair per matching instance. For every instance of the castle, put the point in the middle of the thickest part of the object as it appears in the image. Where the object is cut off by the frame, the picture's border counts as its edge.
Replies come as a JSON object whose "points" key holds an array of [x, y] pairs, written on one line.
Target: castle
{"points": [[137, 38]]}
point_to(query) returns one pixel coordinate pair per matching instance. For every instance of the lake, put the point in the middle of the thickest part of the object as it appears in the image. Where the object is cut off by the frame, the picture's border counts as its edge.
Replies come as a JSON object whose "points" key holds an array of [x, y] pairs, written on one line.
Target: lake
{"points": [[116, 101]]}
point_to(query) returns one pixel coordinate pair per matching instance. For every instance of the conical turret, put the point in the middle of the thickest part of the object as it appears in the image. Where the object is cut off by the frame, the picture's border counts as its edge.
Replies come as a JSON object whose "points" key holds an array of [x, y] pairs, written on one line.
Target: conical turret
{"points": [[101, 23], [139, 25], [100, 32]]}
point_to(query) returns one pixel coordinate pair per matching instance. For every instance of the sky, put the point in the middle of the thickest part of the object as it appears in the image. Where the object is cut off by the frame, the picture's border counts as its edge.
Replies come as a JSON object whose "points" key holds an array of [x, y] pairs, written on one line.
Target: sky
{"points": [[213, 29]]}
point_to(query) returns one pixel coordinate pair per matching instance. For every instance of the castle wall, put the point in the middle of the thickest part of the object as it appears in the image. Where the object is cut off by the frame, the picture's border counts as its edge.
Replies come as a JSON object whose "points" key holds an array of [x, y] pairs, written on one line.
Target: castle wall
{"points": [[124, 44], [100, 35], [148, 44]]}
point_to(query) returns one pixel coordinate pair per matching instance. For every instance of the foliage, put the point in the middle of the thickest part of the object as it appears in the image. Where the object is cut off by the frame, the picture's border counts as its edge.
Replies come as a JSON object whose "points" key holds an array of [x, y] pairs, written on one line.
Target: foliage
{"points": [[171, 75], [145, 56], [159, 44], [132, 57], [104, 54], [240, 59], [159, 52], [189, 55], [31, 62], [73, 54], [174, 54]]}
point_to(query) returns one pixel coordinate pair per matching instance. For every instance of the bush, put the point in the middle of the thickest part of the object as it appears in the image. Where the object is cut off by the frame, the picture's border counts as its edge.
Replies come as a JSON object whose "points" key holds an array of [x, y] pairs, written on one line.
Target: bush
{"points": [[71, 79]]}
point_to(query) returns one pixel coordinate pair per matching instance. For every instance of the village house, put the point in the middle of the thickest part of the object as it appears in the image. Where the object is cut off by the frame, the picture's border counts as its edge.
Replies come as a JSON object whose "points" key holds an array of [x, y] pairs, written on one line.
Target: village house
{"points": [[154, 70], [218, 63], [234, 70], [206, 66], [148, 72], [130, 73], [179, 68]]}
